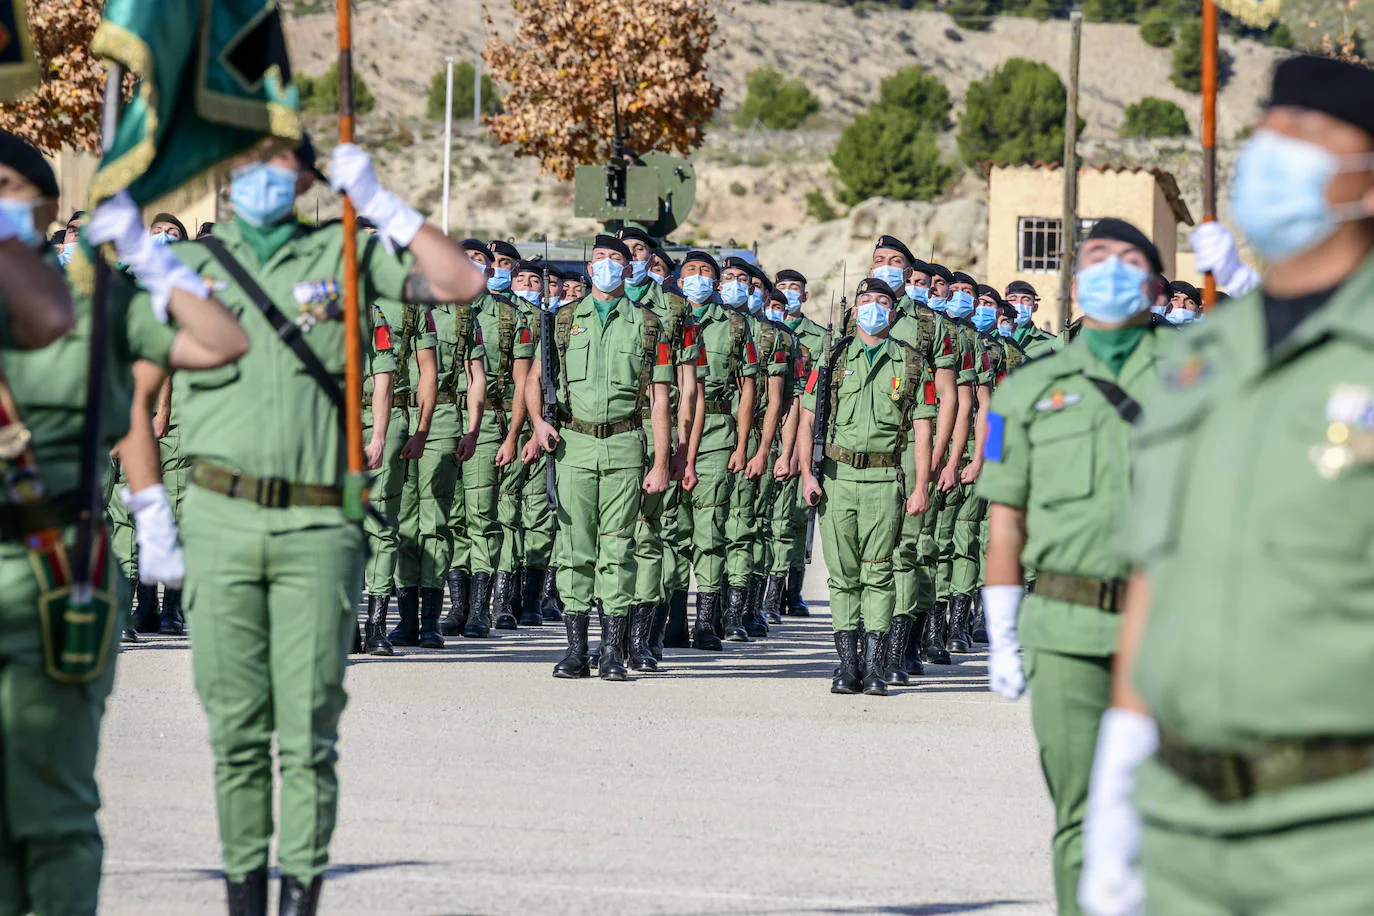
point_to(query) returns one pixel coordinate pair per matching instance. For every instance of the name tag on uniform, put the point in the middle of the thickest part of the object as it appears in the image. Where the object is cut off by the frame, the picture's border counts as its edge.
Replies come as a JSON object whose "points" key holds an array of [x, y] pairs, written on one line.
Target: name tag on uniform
{"points": [[1058, 401]]}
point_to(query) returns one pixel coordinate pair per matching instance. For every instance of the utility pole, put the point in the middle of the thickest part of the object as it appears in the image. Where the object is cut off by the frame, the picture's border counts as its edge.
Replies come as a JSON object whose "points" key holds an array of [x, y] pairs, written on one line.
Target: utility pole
{"points": [[1068, 229], [477, 89], [448, 137]]}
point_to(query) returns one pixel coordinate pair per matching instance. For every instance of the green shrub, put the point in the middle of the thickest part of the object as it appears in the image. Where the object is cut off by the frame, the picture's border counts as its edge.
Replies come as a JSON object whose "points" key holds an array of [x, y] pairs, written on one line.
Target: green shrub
{"points": [[888, 152], [1187, 69], [1157, 29], [1108, 10], [922, 94], [1281, 37], [818, 208], [974, 15], [463, 73], [1152, 117], [738, 189], [320, 94], [774, 101], [1015, 114]]}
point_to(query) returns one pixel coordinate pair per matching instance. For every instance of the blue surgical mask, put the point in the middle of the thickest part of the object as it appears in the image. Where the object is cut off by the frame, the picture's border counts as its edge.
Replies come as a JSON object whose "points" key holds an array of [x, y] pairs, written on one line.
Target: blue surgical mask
{"points": [[984, 317], [499, 281], [794, 302], [64, 257], [1160, 309], [892, 276], [697, 288], [263, 194], [755, 300], [1112, 290], [1005, 330], [960, 304], [1023, 315], [734, 293], [874, 317], [1181, 316], [773, 314], [608, 275], [1278, 195], [918, 293], [161, 238], [638, 271], [657, 277], [20, 215], [528, 295], [939, 304]]}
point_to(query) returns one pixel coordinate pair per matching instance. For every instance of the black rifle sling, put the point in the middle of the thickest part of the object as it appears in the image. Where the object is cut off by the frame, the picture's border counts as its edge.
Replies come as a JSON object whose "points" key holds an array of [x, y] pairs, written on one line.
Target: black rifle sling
{"points": [[1128, 407]]}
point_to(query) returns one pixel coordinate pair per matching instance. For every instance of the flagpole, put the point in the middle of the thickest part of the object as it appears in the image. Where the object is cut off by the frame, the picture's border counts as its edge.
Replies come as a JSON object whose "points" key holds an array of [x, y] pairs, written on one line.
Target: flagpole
{"points": [[1209, 133], [448, 136], [353, 357]]}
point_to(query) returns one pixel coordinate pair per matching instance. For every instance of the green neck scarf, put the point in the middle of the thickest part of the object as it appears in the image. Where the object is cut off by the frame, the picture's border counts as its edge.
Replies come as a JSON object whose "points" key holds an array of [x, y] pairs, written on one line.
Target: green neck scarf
{"points": [[699, 311], [873, 351], [1114, 347], [603, 308], [793, 323], [1020, 334], [267, 240], [637, 293]]}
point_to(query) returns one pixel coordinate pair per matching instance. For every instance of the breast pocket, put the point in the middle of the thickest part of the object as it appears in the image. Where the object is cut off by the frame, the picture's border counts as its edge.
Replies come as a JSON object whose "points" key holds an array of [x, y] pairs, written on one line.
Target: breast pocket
{"points": [[1159, 463], [1063, 456], [847, 397], [627, 363], [577, 358], [210, 379]]}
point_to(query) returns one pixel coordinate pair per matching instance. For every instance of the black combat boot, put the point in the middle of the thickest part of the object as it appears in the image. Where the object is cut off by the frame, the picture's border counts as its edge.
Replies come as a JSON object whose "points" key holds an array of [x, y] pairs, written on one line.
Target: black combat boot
{"points": [[478, 622], [549, 604], [933, 650], [753, 621], [911, 660], [979, 626], [612, 667], [735, 598], [431, 606], [678, 634], [897, 635], [375, 641], [659, 628], [171, 622], [299, 898], [601, 636], [774, 593], [704, 632], [130, 631], [503, 592], [847, 674], [641, 635], [147, 617], [960, 609], [531, 588], [875, 657], [796, 607], [407, 632], [249, 896], [574, 663], [459, 585]]}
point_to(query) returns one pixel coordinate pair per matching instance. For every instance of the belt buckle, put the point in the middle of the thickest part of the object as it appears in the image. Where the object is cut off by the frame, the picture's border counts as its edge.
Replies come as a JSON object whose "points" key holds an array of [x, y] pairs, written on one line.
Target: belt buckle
{"points": [[860, 461], [602, 431], [1107, 595], [273, 492]]}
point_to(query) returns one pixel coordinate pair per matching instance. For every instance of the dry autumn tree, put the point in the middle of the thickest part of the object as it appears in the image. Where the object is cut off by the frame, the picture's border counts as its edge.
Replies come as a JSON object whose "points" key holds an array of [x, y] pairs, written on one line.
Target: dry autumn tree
{"points": [[64, 111], [558, 73]]}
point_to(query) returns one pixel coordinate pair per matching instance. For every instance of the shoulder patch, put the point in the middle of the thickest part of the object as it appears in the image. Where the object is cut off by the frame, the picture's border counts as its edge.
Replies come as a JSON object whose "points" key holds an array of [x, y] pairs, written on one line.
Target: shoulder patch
{"points": [[750, 354], [381, 337], [429, 322], [997, 428], [1058, 401]]}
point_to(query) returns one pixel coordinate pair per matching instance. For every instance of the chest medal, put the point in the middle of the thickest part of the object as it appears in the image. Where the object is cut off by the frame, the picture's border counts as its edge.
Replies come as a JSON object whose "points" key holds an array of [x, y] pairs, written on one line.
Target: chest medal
{"points": [[319, 301], [1058, 401], [1349, 431]]}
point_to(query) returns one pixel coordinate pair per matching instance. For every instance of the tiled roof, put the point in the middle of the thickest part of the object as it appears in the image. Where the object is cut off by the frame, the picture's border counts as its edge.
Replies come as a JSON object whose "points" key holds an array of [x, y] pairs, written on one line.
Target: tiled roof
{"points": [[1166, 181]]}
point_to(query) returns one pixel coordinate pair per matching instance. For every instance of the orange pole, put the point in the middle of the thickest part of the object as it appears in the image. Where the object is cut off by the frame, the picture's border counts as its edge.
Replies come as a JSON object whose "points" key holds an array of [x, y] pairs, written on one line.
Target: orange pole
{"points": [[1209, 132], [353, 356]]}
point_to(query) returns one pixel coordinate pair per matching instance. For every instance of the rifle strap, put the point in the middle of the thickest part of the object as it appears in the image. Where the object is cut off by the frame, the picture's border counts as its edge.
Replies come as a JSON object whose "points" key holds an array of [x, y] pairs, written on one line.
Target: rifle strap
{"points": [[288, 332], [1128, 407]]}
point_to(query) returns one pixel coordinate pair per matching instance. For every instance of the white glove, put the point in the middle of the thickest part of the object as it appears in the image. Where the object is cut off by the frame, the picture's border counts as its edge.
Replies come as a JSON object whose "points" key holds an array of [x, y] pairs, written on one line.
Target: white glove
{"points": [[160, 557], [350, 171], [117, 219], [1111, 883], [1216, 253], [1001, 603]]}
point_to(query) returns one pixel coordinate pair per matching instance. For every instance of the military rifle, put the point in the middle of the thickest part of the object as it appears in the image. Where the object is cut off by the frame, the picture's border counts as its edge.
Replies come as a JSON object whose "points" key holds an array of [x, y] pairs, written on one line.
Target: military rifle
{"points": [[547, 387], [822, 416]]}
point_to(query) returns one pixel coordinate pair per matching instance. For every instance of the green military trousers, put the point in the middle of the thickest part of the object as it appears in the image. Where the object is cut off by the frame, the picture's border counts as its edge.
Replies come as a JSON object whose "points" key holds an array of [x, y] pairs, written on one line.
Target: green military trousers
{"points": [[272, 610], [1312, 868], [799, 515], [50, 846], [1069, 694], [860, 524], [426, 547], [913, 573], [595, 549], [946, 521], [782, 533], [741, 530], [385, 493], [538, 522], [509, 504], [176, 468], [123, 539], [472, 519], [677, 540], [651, 548], [707, 511], [966, 562]]}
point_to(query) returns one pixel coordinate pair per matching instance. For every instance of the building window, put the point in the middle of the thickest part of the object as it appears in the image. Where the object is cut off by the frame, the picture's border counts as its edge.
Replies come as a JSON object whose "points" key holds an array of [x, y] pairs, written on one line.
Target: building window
{"points": [[1039, 243]]}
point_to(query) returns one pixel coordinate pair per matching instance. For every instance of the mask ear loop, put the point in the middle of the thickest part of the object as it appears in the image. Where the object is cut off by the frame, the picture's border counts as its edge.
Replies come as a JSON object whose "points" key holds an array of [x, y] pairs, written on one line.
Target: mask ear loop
{"points": [[1353, 210]]}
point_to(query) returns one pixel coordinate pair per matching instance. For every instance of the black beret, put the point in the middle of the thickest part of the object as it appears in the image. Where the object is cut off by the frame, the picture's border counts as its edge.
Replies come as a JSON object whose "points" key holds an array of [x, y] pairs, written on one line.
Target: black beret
{"points": [[59, 237], [702, 258], [504, 249], [574, 276], [1006, 310], [305, 153], [478, 246], [79, 214], [1187, 289], [758, 273], [874, 285], [611, 243], [894, 244], [1022, 287], [665, 258], [1344, 91], [734, 262], [169, 218], [961, 277], [528, 267], [990, 292], [775, 296], [941, 271], [553, 270], [1121, 231], [28, 162], [206, 230], [921, 267], [634, 232], [790, 274]]}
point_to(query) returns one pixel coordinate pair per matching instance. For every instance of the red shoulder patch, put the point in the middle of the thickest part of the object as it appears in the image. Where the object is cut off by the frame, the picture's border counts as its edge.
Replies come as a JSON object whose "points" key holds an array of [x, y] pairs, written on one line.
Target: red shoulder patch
{"points": [[800, 368], [701, 357], [968, 359], [949, 345], [987, 360], [381, 337], [779, 355], [750, 354], [525, 336], [930, 392], [690, 333], [429, 322], [665, 353], [811, 382]]}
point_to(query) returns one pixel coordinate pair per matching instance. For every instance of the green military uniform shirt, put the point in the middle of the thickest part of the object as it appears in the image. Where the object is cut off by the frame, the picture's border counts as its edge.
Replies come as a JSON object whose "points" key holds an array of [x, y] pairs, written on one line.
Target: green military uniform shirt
{"points": [[1035, 342], [409, 328], [506, 334], [728, 355]]}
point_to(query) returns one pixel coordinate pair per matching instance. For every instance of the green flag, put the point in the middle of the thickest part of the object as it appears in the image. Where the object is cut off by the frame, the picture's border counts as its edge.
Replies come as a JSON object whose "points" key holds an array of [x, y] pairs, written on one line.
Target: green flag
{"points": [[18, 68], [214, 82]]}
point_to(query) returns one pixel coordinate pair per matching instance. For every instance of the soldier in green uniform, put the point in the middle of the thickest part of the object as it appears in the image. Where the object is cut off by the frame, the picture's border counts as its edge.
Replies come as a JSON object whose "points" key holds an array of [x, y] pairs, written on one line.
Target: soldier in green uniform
{"points": [[384, 441], [779, 534], [52, 694], [574, 288], [1057, 476], [274, 569], [727, 365], [811, 341], [1241, 727], [1034, 341], [614, 362], [875, 400], [658, 538]]}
